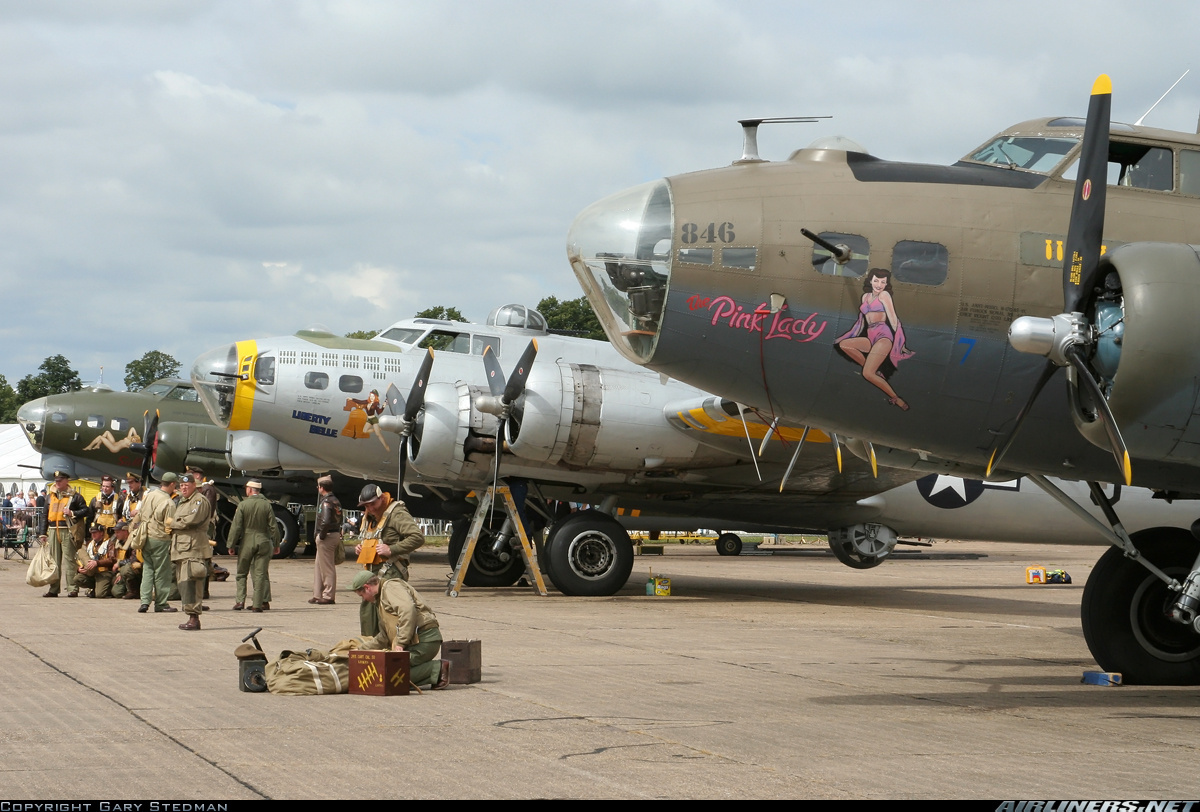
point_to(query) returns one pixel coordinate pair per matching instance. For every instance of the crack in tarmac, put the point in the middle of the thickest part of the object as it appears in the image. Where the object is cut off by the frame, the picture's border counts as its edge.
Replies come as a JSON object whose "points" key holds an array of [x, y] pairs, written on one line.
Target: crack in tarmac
{"points": [[137, 716]]}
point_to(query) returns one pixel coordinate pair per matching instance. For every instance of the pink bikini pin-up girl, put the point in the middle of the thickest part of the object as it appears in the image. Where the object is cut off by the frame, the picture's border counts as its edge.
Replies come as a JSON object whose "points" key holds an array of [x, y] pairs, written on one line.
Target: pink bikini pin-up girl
{"points": [[876, 341]]}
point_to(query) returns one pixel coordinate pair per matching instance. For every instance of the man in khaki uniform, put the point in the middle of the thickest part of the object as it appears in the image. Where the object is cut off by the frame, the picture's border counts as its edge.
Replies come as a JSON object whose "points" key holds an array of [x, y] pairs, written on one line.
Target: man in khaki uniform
{"points": [[65, 510], [127, 583], [406, 623], [388, 535], [157, 506], [190, 550], [254, 534]]}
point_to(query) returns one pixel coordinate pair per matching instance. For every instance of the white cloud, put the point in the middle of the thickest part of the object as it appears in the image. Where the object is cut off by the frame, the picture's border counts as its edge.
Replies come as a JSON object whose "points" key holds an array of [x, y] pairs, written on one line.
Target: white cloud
{"points": [[180, 175]]}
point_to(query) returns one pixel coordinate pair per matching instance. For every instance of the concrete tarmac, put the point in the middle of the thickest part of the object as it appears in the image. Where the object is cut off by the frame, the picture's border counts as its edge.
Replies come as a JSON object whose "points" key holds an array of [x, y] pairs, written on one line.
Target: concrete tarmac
{"points": [[760, 677]]}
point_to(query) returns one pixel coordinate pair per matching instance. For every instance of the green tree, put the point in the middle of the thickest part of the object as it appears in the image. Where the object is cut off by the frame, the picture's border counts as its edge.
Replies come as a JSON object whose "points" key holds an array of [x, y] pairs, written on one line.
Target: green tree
{"points": [[8, 402], [572, 317], [441, 312], [362, 333], [56, 377], [149, 368]]}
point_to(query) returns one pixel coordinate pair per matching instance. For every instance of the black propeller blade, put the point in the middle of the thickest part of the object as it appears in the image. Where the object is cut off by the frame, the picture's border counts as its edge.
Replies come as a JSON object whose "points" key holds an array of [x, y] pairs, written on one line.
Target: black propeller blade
{"points": [[1084, 375], [1060, 339], [1086, 232], [412, 407], [507, 390]]}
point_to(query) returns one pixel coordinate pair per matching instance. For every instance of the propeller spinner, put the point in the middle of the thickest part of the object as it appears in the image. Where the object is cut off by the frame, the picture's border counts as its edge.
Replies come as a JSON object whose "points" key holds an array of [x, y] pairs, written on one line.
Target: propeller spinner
{"points": [[1069, 339]]}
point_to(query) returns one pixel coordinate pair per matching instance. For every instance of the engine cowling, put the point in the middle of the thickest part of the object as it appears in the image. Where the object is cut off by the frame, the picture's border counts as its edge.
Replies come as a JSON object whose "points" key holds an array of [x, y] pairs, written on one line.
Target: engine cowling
{"points": [[449, 432], [558, 420], [1155, 389]]}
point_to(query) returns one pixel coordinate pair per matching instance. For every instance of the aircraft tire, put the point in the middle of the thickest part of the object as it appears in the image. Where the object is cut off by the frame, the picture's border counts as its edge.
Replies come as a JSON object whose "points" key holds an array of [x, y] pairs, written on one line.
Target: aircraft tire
{"points": [[729, 544], [289, 530], [589, 554], [486, 569], [844, 551], [1125, 612]]}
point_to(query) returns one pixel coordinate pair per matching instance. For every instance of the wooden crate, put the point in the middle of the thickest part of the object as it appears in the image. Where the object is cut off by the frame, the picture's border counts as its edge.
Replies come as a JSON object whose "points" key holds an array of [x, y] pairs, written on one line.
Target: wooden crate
{"points": [[379, 673], [466, 661]]}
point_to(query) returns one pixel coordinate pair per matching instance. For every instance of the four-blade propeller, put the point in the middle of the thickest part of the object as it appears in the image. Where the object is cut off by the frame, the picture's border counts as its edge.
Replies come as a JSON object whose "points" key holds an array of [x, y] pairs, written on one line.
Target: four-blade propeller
{"points": [[1068, 339]]}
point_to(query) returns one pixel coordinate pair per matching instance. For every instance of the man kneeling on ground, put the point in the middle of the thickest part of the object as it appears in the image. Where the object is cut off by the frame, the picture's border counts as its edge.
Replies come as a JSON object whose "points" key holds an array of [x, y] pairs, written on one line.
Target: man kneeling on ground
{"points": [[406, 623]]}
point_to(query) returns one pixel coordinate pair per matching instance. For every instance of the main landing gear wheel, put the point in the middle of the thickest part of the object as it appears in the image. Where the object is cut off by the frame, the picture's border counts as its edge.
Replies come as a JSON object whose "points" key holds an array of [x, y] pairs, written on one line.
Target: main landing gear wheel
{"points": [[862, 546], [589, 554], [1126, 612], [486, 568], [289, 531], [729, 544]]}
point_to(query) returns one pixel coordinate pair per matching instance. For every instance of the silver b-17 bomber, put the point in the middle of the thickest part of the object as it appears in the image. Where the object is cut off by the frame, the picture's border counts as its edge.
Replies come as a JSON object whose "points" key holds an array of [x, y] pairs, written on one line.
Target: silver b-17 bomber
{"points": [[872, 298], [583, 426]]}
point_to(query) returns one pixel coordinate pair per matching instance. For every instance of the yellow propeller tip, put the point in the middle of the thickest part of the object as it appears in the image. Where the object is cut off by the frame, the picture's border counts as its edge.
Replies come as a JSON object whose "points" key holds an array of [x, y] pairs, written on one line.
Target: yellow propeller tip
{"points": [[1102, 85], [1128, 470], [991, 461]]}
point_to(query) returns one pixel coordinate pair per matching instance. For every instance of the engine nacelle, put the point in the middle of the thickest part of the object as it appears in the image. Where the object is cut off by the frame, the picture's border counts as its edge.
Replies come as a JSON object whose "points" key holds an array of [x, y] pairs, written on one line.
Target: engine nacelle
{"points": [[448, 432], [1155, 395], [249, 451], [558, 420]]}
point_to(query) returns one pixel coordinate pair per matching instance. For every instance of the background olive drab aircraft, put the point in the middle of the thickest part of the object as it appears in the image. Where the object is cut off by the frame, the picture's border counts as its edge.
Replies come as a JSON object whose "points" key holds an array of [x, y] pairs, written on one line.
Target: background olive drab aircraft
{"points": [[873, 298], [580, 424], [162, 427]]}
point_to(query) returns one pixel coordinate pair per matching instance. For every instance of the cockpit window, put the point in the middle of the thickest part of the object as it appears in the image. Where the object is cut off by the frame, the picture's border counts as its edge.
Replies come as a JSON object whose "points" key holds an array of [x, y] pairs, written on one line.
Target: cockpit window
{"points": [[403, 335], [1141, 166], [184, 393], [1024, 152], [480, 343], [1135, 166], [264, 370], [447, 341], [157, 389], [1189, 171]]}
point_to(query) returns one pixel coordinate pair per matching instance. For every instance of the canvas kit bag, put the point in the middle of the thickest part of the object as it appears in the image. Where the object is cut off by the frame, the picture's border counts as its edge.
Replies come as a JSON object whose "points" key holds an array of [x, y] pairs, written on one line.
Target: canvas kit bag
{"points": [[43, 569]]}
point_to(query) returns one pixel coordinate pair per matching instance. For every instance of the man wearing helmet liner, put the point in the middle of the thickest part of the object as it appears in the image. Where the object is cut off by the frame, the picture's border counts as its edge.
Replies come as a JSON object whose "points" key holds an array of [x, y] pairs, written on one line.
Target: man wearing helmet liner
{"points": [[190, 549], [406, 623], [388, 534]]}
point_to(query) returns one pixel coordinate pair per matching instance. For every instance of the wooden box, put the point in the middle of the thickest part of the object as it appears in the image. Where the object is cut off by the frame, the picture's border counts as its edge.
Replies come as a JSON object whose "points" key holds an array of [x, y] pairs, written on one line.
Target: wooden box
{"points": [[466, 661], [379, 673]]}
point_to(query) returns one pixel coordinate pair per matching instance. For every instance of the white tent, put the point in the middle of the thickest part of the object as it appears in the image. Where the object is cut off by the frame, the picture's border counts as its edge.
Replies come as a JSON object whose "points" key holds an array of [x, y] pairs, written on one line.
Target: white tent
{"points": [[19, 462]]}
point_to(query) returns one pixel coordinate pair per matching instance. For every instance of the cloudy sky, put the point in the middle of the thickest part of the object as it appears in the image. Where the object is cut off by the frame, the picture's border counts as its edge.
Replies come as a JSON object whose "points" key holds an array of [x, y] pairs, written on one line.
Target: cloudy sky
{"points": [[176, 175]]}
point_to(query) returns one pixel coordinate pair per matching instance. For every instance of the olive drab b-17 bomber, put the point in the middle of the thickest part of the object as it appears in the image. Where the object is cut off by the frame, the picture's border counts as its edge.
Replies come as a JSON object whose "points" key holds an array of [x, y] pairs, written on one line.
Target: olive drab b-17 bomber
{"points": [[924, 309], [163, 427]]}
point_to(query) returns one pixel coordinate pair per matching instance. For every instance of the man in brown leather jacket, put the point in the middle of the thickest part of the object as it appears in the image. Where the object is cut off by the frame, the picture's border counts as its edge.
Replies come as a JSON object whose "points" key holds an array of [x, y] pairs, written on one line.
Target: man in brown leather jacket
{"points": [[328, 529], [65, 510]]}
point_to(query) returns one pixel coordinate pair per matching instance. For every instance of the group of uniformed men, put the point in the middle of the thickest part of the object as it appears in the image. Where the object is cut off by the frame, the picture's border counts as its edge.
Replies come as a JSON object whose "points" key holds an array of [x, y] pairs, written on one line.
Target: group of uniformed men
{"points": [[143, 543], [152, 534]]}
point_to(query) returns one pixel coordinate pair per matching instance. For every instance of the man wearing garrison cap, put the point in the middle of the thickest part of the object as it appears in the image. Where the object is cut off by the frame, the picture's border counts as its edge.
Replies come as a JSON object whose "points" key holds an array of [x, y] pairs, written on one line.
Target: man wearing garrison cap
{"points": [[254, 534]]}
